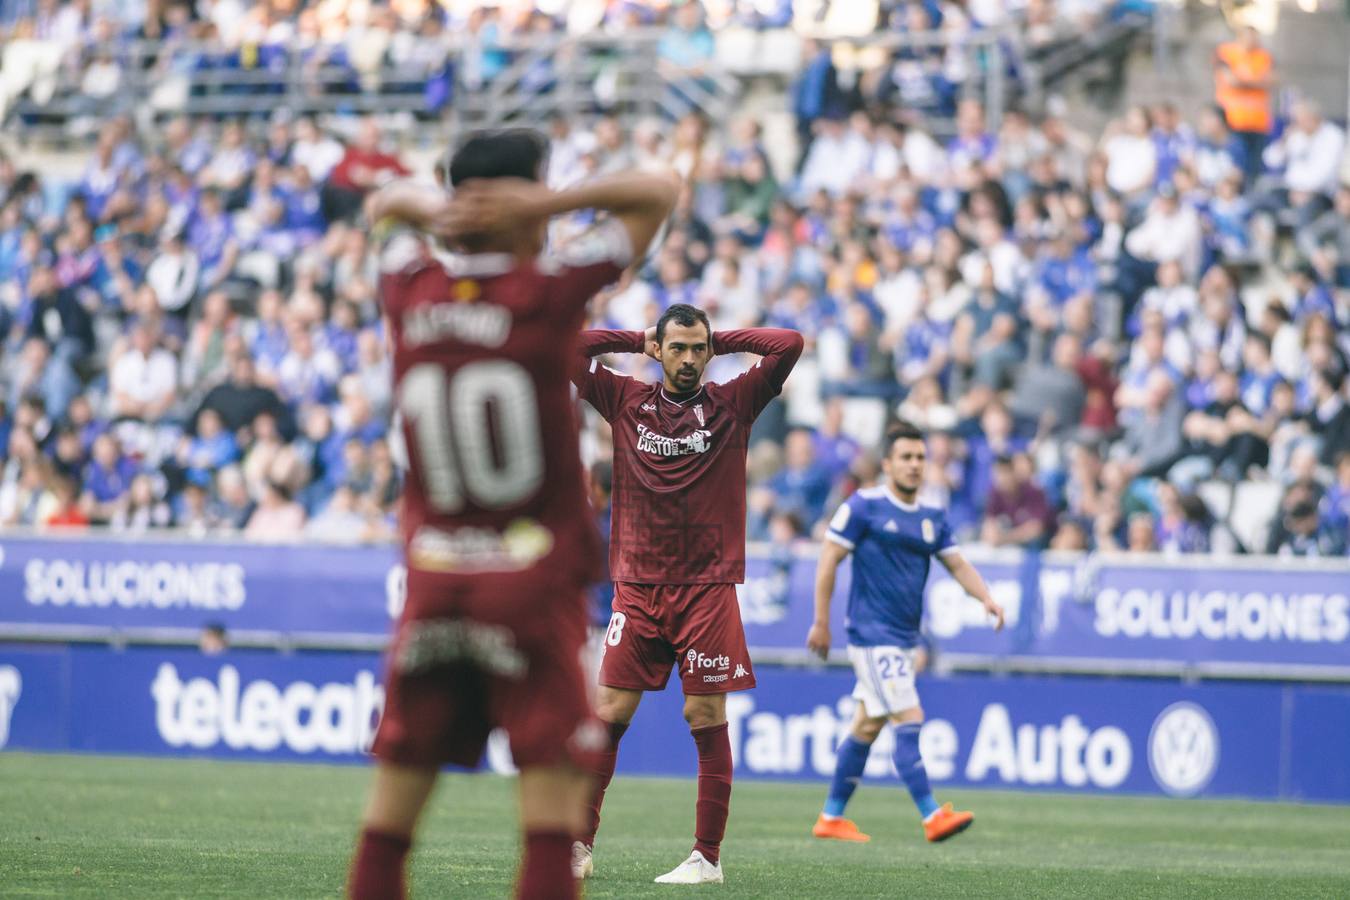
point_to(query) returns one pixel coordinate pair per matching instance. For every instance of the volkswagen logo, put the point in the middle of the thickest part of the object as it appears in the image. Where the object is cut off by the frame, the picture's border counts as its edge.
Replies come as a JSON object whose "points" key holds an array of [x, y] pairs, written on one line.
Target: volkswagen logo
{"points": [[1183, 749]]}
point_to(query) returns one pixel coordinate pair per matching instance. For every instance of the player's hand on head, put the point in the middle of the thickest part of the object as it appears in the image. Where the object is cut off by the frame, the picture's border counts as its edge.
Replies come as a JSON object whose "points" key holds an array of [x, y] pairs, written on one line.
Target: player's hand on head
{"points": [[818, 640], [492, 206], [650, 347]]}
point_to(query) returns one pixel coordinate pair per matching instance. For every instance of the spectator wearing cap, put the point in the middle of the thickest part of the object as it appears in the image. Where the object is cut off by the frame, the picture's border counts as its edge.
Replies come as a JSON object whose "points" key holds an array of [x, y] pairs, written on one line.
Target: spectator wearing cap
{"points": [[1018, 513], [1169, 232]]}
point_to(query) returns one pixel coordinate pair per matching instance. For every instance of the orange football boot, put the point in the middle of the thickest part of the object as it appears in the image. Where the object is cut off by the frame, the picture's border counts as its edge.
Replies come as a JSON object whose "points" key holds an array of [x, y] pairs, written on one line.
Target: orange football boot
{"points": [[839, 830], [946, 823]]}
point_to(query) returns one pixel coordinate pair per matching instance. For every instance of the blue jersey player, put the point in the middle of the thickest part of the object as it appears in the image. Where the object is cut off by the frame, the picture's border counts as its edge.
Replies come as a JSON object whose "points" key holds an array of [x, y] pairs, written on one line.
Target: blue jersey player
{"points": [[892, 539]]}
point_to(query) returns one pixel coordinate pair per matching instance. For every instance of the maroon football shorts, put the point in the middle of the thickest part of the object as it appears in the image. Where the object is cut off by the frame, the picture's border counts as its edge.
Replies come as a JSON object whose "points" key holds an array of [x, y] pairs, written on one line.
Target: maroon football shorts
{"points": [[474, 654], [695, 626]]}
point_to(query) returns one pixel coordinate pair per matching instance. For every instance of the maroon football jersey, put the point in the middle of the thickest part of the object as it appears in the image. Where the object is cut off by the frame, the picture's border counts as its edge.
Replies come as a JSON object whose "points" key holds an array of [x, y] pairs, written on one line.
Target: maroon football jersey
{"points": [[484, 348], [678, 514]]}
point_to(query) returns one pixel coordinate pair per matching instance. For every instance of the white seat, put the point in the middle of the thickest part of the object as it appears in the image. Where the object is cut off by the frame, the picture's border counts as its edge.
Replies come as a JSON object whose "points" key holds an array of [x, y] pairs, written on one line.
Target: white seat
{"points": [[1218, 497], [1255, 505]]}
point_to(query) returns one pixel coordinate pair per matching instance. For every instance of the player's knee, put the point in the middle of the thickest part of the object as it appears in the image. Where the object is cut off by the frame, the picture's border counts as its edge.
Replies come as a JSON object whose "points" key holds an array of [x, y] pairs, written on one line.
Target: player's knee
{"points": [[615, 706], [912, 716], [704, 712], [867, 730]]}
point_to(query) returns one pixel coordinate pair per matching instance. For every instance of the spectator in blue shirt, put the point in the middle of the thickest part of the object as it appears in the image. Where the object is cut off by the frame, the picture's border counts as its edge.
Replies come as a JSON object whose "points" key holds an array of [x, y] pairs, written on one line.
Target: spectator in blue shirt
{"points": [[803, 484], [107, 478]]}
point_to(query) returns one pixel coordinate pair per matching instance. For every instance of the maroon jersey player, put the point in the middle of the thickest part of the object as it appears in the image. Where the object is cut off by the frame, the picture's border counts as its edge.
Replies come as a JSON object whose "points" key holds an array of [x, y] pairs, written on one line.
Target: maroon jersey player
{"points": [[497, 539], [677, 545]]}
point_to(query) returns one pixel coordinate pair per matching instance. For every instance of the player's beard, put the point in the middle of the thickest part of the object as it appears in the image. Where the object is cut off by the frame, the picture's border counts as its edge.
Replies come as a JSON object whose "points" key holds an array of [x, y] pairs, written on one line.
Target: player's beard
{"points": [[685, 379]]}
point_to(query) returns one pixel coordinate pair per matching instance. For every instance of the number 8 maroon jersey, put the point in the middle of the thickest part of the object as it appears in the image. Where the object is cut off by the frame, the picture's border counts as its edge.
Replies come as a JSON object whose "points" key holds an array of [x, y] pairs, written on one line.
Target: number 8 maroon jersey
{"points": [[484, 347]]}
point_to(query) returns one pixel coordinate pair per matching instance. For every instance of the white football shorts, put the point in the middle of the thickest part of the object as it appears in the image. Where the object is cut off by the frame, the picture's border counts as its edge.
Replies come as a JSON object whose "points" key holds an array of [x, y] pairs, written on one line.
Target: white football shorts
{"points": [[885, 679]]}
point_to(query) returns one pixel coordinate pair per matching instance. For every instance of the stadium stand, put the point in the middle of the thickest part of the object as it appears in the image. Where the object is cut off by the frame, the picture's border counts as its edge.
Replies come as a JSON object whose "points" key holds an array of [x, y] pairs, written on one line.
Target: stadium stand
{"points": [[1148, 340]]}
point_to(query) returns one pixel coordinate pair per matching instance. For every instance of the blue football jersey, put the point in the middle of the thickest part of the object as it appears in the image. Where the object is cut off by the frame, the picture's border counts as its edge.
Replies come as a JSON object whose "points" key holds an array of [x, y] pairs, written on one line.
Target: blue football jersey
{"points": [[892, 544]]}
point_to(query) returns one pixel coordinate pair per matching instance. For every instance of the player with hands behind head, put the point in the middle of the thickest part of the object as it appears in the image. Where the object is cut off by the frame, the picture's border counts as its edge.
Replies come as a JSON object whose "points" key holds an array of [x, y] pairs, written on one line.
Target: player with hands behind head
{"points": [[497, 538]]}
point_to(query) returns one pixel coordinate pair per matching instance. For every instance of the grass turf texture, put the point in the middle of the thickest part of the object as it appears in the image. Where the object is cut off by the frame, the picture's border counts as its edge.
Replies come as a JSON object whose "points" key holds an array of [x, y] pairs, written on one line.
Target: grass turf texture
{"points": [[75, 826]]}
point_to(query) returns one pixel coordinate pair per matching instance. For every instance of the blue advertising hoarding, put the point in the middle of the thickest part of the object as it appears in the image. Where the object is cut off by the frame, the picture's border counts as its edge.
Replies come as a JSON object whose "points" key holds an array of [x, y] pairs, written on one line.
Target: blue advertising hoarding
{"points": [[1190, 611], [1057, 733]]}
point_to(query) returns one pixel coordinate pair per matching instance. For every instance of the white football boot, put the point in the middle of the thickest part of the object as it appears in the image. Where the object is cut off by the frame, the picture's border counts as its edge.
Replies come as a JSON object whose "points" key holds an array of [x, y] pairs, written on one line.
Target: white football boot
{"points": [[583, 866], [694, 870]]}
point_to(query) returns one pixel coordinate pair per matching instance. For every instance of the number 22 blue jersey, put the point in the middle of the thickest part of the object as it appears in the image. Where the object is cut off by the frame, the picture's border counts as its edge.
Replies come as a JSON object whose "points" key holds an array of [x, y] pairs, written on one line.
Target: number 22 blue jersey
{"points": [[892, 543]]}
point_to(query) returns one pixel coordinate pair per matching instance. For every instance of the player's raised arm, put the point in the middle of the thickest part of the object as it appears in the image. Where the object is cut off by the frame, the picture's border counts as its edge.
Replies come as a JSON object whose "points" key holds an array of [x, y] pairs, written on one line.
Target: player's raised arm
{"points": [[965, 575], [640, 201], [780, 347], [599, 386], [409, 202]]}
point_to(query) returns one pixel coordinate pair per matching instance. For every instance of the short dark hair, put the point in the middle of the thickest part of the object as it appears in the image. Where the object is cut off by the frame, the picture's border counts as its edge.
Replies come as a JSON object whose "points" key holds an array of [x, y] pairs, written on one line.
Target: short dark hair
{"points": [[900, 431], [681, 314], [498, 153]]}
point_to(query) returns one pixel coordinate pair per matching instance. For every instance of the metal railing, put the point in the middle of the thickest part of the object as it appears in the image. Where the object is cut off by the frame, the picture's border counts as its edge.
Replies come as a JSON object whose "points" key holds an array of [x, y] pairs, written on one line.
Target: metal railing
{"points": [[547, 74], [544, 75]]}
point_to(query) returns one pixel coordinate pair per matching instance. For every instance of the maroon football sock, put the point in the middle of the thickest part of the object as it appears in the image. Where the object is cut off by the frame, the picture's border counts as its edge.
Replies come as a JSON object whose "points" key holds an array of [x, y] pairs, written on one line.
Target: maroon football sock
{"points": [[603, 773], [546, 869], [714, 789], [377, 870]]}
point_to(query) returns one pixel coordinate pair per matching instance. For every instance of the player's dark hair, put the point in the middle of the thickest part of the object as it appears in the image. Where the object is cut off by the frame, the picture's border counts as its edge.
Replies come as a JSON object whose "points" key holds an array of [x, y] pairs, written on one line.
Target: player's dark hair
{"points": [[681, 314], [900, 431], [499, 153]]}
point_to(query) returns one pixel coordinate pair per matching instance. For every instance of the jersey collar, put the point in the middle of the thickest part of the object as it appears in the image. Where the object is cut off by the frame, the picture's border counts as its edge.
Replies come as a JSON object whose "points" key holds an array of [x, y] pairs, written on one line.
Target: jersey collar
{"points": [[473, 265], [891, 496], [669, 399]]}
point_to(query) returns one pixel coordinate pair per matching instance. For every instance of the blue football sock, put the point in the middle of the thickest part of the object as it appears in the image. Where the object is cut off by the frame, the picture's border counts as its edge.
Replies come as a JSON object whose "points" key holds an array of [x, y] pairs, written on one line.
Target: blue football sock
{"points": [[848, 771], [909, 764]]}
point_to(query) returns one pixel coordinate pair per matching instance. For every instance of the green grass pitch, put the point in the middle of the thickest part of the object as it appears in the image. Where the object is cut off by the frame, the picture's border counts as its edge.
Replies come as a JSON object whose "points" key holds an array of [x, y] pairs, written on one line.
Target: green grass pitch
{"points": [[121, 827]]}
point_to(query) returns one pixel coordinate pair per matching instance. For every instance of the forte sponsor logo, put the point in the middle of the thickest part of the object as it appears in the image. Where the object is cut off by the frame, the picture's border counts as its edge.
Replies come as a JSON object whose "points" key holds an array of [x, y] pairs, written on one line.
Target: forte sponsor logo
{"points": [[130, 584], [1067, 753], [1223, 615], [696, 659], [336, 717]]}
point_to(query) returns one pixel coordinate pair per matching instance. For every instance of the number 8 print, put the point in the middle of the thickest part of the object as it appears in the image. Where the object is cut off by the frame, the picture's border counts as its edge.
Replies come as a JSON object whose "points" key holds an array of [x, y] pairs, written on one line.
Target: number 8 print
{"points": [[615, 632]]}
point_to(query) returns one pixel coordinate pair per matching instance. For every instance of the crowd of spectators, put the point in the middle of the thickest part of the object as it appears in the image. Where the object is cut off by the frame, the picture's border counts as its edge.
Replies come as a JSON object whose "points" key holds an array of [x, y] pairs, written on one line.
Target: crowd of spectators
{"points": [[241, 55], [1095, 331]]}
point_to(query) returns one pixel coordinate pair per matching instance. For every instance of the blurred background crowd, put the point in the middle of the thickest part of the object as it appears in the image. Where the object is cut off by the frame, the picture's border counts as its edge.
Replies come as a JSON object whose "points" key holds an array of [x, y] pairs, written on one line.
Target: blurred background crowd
{"points": [[1134, 339]]}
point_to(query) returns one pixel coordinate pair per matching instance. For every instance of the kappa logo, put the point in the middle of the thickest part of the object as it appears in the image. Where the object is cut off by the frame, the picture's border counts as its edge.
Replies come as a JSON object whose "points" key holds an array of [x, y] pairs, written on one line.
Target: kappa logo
{"points": [[740, 671], [1183, 749], [11, 686]]}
